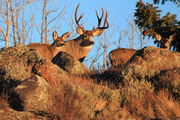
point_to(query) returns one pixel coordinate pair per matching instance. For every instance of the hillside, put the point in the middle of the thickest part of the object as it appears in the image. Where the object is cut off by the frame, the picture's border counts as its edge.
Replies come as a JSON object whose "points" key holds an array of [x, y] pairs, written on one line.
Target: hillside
{"points": [[147, 87]]}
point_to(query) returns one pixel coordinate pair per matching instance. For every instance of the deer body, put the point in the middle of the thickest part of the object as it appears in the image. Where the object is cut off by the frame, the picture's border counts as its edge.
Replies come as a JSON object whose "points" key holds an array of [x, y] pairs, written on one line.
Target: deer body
{"points": [[74, 48], [120, 56], [45, 50]]}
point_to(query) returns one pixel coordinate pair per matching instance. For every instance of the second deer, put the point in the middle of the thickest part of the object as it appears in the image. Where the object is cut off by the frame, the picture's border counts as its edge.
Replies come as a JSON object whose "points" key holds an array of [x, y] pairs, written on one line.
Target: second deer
{"points": [[121, 56], [48, 51]]}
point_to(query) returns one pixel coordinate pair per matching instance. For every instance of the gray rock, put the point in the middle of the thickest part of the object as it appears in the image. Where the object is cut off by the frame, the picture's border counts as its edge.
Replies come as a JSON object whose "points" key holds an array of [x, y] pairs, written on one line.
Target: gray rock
{"points": [[69, 64]]}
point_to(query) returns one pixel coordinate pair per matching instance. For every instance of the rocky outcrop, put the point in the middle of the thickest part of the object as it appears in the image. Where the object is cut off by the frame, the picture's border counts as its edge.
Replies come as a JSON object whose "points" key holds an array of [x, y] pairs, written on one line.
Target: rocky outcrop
{"points": [[17, 62], [50, 72], [32, 94], [149, 61], [27, 79], [31, 81], [155, 59], [145, 71], [69, 64]]}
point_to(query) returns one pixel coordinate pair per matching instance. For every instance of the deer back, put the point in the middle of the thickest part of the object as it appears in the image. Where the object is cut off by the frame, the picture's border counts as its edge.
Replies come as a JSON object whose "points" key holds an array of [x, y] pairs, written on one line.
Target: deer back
{"points": [[120, 56], [44, 50]]}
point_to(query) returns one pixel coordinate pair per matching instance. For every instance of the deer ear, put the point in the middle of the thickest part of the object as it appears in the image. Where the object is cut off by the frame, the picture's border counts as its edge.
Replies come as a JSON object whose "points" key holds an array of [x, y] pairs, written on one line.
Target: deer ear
{"points": [[65, 35], [80, 30], [173, 36], [97, 32], [157, 37], [54, 35]]}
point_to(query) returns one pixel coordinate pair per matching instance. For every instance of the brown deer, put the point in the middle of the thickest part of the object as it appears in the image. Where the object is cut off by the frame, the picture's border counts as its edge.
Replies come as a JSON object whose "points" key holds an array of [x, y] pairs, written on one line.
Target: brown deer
{"points": [[120, 56], [48, 51], [81, 46], [164, 42]]}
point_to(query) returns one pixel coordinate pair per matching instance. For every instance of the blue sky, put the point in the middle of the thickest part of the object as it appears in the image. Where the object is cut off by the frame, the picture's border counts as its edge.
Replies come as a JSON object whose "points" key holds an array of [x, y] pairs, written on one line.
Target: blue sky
{"points": [[119, 12], [118, 9]]}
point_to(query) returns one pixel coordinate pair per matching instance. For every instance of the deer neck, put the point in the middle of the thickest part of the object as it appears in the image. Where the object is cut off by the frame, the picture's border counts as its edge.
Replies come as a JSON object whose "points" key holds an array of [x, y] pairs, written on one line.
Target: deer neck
{"points": [[74, 48], [54, 49]]}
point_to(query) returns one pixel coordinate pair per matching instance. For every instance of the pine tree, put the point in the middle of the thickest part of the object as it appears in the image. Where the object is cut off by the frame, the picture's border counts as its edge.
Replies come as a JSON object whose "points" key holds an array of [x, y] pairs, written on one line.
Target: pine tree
{"points": [[150, 23], [164, 1]]}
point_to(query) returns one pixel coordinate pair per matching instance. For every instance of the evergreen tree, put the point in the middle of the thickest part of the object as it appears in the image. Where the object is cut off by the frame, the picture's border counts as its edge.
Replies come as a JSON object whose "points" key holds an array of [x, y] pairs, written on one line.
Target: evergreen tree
{"points": [[164, 1], [150, 23]]}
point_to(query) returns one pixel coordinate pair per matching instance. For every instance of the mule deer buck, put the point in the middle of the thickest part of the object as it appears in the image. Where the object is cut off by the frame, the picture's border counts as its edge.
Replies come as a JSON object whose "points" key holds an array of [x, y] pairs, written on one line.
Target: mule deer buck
{"points": [[81, 46], [120, 56], [48, 51]]}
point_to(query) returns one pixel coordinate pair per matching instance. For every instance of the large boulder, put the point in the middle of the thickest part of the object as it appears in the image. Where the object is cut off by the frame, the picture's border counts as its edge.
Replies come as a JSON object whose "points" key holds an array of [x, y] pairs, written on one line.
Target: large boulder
{"points": [[17, 62], [50, 72], [155, 59], [149, 61], [69, 64], [32, 94], [28, 79]]}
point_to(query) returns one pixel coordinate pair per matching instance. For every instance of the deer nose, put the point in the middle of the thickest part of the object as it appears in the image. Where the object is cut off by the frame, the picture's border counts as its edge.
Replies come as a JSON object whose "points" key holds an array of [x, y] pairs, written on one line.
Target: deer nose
{"points": [[92, 43], [87, 43]]}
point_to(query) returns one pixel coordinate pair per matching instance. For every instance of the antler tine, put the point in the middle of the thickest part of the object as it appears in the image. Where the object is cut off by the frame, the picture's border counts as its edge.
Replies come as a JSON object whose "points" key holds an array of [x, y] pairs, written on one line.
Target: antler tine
{"points": [[100, 18], [78, 19], [106, 24]]}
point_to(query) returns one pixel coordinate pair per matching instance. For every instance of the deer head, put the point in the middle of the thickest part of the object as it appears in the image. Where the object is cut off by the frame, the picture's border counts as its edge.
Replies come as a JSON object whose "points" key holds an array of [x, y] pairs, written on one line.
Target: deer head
{"points": [[164, 42], [81, 46], [87, 36], [59, 41]]}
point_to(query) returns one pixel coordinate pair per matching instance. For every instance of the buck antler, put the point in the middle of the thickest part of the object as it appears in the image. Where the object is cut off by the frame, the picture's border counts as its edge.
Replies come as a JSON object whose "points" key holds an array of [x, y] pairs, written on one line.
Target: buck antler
{"points": [[106, 24], [75, 15]]}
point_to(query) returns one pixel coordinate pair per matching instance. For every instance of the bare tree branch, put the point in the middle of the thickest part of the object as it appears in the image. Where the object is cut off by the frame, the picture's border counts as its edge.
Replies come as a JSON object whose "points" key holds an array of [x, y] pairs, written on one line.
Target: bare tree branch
{"points": [[3, 33]]}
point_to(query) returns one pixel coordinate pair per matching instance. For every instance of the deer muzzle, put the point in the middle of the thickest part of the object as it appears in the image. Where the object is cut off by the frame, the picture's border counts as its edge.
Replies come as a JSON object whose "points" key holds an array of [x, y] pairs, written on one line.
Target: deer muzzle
{"points": [[87, 43]]}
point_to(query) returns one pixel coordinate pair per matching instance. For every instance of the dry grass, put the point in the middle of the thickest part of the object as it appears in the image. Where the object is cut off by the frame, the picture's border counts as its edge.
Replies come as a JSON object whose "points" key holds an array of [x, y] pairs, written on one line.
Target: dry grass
{"points": [[154, 106], [82, 97]]}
